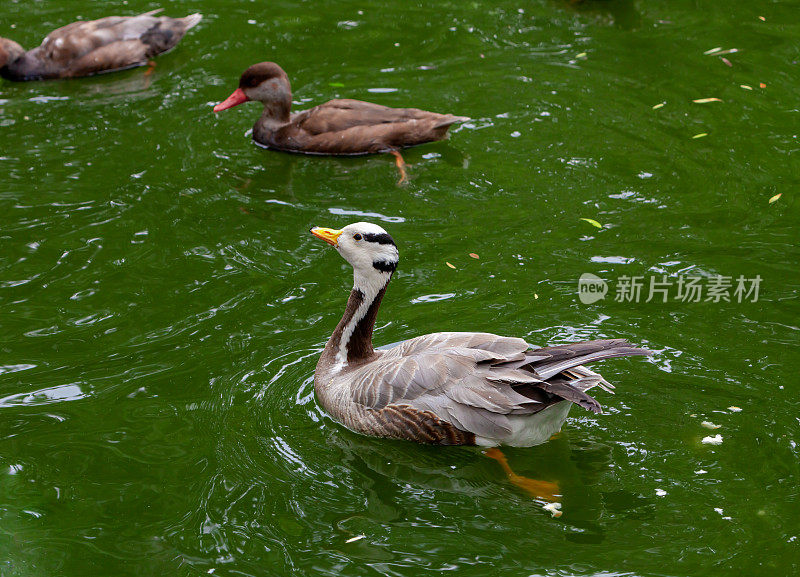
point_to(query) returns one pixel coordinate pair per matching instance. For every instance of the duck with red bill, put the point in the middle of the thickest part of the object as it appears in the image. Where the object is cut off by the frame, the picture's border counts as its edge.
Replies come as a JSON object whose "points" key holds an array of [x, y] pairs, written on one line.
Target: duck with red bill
{"points": [[341, 127]]}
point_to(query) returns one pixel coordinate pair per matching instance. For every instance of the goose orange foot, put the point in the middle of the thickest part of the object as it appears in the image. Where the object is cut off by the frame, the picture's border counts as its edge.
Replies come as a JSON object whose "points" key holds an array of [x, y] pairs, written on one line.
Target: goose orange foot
{"points": [[545, 490]]}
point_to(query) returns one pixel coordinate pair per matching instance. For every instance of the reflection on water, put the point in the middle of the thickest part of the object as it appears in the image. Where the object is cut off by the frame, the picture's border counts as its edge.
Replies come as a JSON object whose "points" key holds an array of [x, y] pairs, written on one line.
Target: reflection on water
{"points": [[55, 394]]}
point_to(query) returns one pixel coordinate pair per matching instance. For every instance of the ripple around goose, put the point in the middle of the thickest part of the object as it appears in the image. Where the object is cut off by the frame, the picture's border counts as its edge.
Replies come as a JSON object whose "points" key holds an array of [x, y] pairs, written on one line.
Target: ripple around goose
{"points": [[445, 388]]}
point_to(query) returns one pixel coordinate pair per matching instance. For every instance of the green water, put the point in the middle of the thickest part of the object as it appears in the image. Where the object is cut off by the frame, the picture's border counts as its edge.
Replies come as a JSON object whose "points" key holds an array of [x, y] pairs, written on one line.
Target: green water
{"points": [[163, 305]]}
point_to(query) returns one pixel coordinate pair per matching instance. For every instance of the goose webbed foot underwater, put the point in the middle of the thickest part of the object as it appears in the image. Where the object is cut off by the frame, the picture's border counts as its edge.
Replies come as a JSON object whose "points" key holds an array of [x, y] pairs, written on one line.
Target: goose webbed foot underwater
{"points": [[342, 127], [454, 388], [544, 490], [85, 48]]}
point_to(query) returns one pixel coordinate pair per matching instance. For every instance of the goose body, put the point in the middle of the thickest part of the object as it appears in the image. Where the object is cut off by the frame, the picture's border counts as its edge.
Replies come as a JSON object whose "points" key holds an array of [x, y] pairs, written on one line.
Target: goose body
{"points": [[445, 388], [95, 46], [342, 127]]}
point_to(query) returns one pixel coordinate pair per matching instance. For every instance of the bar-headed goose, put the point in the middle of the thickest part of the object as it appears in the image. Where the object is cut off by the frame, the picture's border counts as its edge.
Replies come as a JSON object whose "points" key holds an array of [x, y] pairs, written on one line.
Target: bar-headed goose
{"points": [[342, 127], [445, 388], [94, 46]]}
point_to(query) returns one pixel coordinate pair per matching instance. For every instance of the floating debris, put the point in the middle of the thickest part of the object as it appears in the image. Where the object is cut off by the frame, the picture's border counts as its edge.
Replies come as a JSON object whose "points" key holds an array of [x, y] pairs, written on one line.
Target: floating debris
{"points": [[762, 85], [661, 493], [775, 198], [715, 440], [356, 538], [554, 509], [473, 255], [581, 55], [709, 425], [746, 87], [659, 105], [450, 265], [762, 18], [706, 100], [721, 512], [700, 472], [713, 50], [701, 135], [726, 61], [735, 409], [593, 222]]}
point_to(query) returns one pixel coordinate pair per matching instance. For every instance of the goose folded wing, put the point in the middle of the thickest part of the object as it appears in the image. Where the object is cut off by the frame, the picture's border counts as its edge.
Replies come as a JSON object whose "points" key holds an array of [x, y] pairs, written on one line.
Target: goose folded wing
{"points": [[457, 385]]}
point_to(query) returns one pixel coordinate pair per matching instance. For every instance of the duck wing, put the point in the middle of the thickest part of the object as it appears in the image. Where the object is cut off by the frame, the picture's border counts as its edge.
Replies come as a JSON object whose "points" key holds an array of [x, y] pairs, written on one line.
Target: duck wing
{"points": [[479, 381], [341, 114], [115, 41], [356, 127]]}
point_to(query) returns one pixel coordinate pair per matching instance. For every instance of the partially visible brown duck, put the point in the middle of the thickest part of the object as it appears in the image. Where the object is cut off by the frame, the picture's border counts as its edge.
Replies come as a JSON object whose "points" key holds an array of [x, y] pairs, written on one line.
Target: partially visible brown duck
{"points": [[94, 47], [341, 127]]}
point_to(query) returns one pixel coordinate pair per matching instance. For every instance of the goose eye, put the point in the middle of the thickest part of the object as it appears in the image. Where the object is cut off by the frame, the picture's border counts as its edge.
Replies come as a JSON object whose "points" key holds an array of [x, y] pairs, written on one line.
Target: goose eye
{"points": [[356, 236]]}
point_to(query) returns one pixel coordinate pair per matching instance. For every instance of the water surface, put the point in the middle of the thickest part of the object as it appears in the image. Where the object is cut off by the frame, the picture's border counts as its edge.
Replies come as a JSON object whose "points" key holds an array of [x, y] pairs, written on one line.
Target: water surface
{"points": [[163, 305]]}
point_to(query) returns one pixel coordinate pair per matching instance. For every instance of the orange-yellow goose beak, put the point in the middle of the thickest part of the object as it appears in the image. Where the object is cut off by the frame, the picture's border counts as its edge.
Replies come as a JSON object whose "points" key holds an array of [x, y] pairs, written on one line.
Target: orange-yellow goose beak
{"points": [[329, 235]]}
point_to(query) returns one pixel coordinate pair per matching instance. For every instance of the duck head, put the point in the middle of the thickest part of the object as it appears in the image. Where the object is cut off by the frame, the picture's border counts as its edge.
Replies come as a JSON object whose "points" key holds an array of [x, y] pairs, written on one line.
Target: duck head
{"points": [[10, 51], [369, 249], [265, 82]]}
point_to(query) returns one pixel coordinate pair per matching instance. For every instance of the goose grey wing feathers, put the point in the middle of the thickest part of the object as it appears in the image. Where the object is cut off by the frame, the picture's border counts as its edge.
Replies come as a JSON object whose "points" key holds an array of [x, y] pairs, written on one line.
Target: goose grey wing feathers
{"points": [[459, 377], [477, 381]]}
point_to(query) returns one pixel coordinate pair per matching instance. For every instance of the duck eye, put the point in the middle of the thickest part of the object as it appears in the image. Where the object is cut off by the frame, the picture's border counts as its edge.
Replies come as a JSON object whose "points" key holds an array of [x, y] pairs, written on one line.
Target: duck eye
{"points": [[356, 236]]}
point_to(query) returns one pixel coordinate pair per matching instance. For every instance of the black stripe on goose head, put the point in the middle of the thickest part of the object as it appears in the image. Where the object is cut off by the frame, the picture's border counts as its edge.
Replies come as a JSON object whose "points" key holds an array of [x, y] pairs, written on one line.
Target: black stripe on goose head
{"points": [[380, 238], [260, 73], [385, 265]]}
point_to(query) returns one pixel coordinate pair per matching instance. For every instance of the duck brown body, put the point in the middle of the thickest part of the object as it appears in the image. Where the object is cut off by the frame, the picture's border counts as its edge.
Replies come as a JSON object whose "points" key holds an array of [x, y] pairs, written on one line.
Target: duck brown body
{"points": [[338, 127], [94, 47]]}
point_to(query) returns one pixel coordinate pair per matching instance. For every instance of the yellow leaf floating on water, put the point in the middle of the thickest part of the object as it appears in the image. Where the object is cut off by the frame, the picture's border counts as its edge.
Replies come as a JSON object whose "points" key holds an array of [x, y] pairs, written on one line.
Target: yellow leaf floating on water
{"points": [[473, 255], [706, 100], [762, 85], [356, 538], [659, 105], [593, 222], [774, 198], [746, 87], [701, 135], [581, 55], [450, 265]]}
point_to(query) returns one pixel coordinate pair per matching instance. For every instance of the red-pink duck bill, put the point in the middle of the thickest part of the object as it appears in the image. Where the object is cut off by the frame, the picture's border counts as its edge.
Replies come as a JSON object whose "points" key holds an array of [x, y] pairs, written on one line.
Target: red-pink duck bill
{"points": [[235, 99]]}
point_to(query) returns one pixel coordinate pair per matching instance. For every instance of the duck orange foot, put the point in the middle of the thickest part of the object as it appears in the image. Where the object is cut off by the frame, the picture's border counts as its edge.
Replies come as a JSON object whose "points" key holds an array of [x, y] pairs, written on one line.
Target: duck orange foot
{"points": [[401, 166]]}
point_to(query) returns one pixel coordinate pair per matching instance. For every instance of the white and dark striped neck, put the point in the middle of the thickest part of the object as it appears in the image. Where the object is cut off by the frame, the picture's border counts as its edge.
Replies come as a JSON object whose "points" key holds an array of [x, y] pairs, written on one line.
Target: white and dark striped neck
{"points": [[352, 339]]}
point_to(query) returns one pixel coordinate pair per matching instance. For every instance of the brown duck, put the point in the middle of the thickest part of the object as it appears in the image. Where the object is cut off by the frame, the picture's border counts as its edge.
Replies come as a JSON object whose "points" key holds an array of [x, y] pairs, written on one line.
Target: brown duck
{"points": [[94, 47], [456, 388], [341, 127]]}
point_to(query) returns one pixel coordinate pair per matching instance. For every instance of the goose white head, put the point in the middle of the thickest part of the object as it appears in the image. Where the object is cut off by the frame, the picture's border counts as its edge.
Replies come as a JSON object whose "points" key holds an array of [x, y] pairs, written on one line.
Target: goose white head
{"points": [[368, 248]]}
